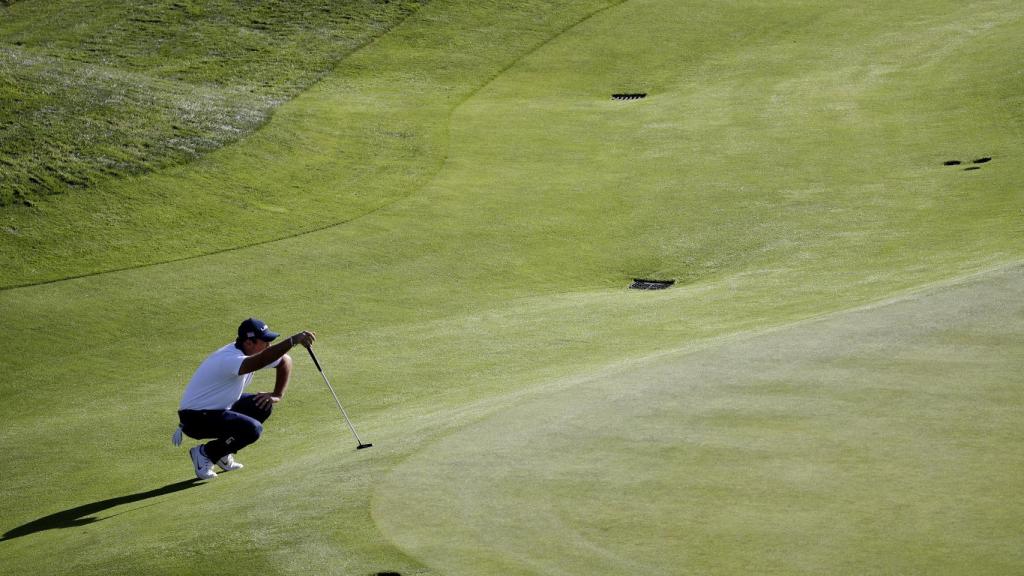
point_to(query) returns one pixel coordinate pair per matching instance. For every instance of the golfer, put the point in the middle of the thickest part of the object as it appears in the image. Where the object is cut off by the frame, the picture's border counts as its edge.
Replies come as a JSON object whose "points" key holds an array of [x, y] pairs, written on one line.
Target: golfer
{"points": [[214, 406]]}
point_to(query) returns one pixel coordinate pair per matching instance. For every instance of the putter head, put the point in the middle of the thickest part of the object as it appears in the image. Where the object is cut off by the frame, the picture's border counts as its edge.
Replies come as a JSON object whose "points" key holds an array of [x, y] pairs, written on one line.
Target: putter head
{"points": [[361, 446]]}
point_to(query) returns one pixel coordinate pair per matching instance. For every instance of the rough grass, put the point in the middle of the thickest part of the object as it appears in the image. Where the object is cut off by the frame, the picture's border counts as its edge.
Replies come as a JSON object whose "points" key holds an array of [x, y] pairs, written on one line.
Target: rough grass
{"points": [[91, 90], [373, 133]]}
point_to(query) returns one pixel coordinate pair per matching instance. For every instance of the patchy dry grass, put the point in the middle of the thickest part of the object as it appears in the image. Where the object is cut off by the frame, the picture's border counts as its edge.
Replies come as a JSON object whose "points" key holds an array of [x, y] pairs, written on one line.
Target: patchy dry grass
{"points": [[137, 86]]}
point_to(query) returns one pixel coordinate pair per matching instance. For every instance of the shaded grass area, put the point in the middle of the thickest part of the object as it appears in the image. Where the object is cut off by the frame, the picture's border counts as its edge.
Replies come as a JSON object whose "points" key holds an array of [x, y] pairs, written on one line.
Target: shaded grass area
{"points": [[92, 512], [91, 90]]}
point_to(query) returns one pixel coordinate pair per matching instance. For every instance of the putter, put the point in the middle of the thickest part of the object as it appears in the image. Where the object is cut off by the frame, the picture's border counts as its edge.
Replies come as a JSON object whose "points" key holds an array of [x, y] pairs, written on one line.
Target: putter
{"points": [[359, 443]]}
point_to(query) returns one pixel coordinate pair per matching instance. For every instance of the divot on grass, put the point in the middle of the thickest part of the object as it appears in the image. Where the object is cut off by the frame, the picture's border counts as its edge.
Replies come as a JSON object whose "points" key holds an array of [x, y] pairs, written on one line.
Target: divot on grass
{"points": [[644, 284], [981, 160]]}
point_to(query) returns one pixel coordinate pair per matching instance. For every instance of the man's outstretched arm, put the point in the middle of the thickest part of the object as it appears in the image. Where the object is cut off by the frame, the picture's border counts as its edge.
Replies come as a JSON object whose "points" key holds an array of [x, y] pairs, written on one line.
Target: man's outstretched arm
{"points": [[275, 352]]}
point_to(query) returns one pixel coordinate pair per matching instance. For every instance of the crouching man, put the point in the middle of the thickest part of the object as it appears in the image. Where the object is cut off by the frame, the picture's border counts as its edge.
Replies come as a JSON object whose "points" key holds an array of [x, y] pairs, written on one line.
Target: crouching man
{"points": [[214, 405]]}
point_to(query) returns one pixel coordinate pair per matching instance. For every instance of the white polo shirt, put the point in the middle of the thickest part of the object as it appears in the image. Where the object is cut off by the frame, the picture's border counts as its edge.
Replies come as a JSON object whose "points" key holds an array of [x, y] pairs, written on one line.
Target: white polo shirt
{"points": [[216, 385]]}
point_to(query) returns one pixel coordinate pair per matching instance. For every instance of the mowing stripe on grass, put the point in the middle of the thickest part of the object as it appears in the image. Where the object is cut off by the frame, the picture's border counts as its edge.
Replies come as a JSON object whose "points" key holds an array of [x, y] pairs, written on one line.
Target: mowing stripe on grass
{"points": [[882, 439]]}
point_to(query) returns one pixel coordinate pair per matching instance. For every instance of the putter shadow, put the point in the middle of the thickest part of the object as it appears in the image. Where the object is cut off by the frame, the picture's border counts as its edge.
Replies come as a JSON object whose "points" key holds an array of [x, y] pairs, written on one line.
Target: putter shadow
{"points": [[82, 515]]}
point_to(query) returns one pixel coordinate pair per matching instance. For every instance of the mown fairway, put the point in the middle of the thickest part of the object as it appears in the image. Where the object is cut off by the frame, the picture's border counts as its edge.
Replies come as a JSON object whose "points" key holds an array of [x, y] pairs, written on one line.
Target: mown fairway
{"points": [[457, 211]]}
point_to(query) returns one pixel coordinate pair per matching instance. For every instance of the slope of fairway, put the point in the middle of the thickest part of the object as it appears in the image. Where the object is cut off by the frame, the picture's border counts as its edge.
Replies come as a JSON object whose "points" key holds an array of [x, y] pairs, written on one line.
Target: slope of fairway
{"points": [[787, 163], [883, 440], [368, 135]]}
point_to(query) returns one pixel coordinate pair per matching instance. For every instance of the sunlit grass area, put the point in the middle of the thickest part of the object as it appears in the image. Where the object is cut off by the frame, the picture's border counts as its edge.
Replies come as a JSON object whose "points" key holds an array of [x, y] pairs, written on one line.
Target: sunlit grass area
{"points": [[458, 209]]}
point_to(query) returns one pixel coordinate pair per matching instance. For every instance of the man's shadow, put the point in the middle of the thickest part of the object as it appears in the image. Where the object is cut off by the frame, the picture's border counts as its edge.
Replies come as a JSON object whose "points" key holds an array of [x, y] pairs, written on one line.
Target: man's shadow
{"points": [[82, 515]]}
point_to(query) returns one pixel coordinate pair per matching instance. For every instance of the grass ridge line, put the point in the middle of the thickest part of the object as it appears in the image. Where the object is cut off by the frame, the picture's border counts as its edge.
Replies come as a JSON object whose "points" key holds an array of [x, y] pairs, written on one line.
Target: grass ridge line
{"points": [[480, 409], [440, 165], [534, 50], [881, 302], [197, 256]]}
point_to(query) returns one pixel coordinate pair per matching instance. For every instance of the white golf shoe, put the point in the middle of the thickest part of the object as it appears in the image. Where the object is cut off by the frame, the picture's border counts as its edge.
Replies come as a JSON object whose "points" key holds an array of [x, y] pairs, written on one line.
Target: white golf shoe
{"points": [[202, 464], [227, 463]]}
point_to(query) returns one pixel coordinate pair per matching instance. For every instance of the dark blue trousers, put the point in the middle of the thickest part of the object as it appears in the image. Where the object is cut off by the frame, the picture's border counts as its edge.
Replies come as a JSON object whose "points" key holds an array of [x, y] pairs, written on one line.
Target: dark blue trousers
{"points": [[231, 430]]}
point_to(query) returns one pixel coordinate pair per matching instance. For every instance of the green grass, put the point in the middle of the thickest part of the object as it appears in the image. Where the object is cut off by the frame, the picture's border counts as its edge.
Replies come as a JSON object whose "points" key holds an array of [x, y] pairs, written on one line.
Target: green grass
{"points": [[772, 453], [457, 210], [92, 90], [368, 136]]}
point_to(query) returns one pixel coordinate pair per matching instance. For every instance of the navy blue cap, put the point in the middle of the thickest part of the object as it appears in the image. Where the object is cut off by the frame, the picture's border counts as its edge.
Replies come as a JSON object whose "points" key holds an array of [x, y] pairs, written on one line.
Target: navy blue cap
{"points": [[253, 328]]}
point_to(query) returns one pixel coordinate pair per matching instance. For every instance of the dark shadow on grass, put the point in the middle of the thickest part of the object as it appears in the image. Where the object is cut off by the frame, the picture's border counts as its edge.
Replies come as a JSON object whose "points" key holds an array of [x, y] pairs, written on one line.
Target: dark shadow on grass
{"points": [[82, 515]]}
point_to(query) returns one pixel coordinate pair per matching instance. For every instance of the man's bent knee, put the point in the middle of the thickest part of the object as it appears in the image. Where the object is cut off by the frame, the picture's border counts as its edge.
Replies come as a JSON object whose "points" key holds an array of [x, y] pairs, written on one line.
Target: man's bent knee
{"points": [[247, 405], [253, 433], [243, 437]]}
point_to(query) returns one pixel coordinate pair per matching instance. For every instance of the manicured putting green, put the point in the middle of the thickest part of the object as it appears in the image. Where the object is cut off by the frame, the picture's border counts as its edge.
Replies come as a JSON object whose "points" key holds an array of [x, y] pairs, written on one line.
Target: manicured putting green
{"points": [[882, 440]]}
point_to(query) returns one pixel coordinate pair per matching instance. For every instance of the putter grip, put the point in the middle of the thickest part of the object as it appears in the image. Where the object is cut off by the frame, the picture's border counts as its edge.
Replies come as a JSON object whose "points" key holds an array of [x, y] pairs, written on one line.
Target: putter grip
{"points": [[315, 361]]}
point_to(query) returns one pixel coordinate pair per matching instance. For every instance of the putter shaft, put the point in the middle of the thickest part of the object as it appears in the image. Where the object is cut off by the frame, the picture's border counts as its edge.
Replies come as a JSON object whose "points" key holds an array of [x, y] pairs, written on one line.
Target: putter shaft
{"points": [[360, 444]]}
